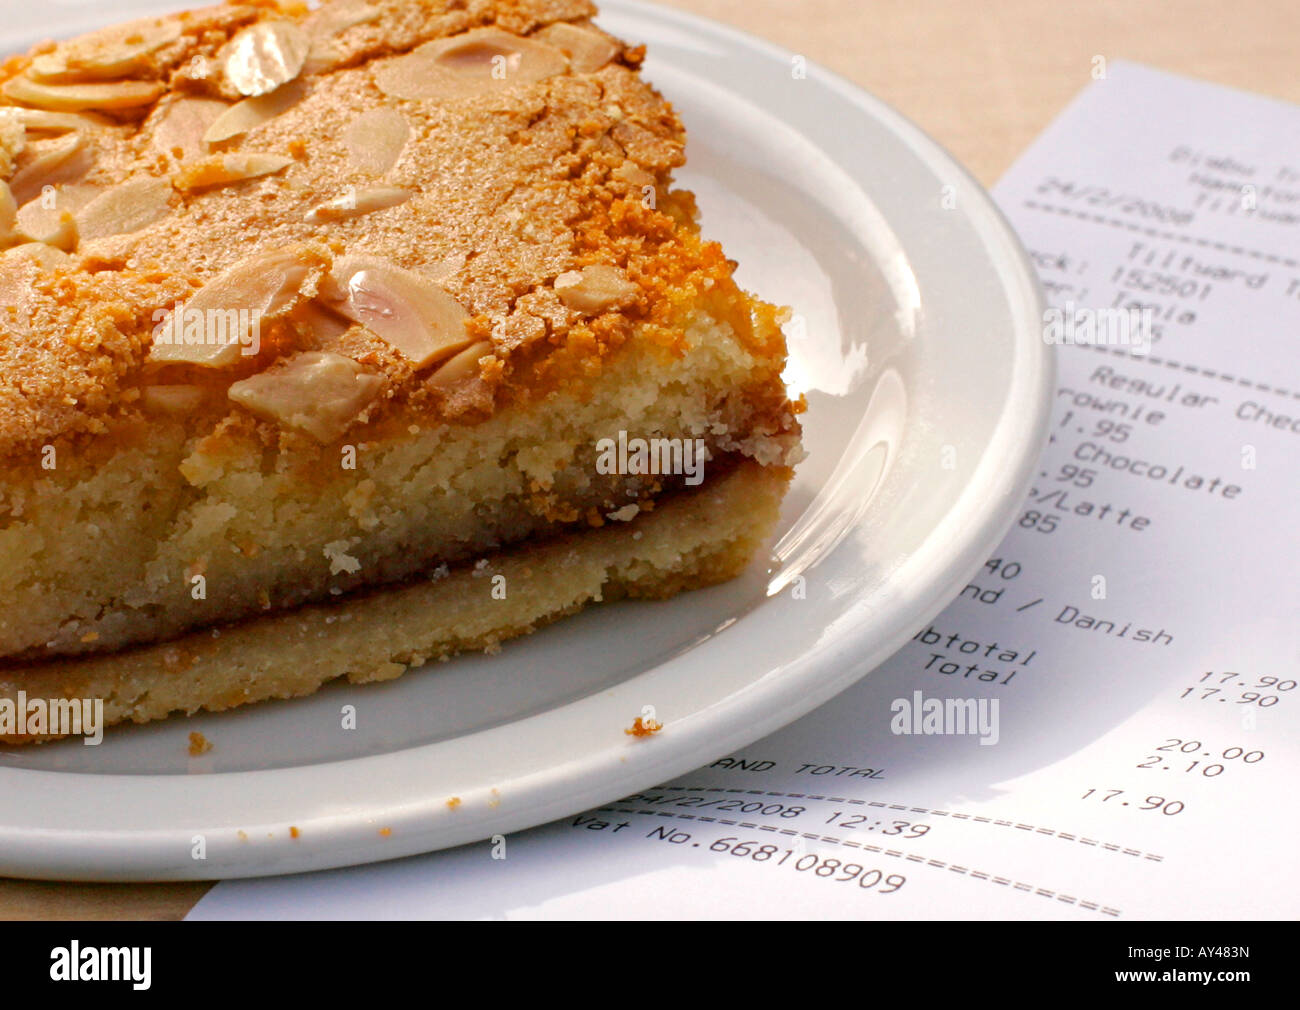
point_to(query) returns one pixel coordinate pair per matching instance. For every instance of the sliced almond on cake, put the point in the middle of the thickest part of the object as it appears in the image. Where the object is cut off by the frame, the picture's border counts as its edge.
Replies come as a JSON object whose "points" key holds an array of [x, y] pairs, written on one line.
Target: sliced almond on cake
{"points": [[184, 121], [462, 366], [228, 308], [50, 224], [587, 47], [125, 208], [411, 313], [251, 113], [469, 64], [108, 54], [51, 162], [355, 203], [263, 56], [176, 399], [595, 289], [117, 96], [318, 392], [375, 139], [44, 121], [224, 169]]}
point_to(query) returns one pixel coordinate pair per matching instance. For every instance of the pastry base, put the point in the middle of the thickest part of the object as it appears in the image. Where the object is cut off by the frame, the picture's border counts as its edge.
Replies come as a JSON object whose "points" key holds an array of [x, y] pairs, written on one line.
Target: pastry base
{"points": [[693, 539]]}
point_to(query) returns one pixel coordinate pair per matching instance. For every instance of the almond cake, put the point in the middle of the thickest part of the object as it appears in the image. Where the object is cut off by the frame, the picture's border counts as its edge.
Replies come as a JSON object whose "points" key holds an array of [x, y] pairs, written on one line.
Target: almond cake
{"points": [[318, 331]]}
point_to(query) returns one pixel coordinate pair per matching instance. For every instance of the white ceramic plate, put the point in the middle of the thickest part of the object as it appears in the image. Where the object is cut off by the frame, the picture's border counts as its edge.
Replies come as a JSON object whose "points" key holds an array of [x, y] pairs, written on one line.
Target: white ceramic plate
{"points": [[918, 342]]}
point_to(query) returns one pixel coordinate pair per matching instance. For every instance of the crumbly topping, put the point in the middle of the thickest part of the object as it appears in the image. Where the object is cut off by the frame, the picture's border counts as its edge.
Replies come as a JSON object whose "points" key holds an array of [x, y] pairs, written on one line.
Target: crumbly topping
{"points": [[643, 727], [527, 179]]}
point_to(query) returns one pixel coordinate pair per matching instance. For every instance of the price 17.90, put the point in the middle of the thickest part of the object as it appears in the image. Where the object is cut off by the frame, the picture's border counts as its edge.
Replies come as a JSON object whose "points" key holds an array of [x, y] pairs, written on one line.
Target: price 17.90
{"points": [[1166, 807]]}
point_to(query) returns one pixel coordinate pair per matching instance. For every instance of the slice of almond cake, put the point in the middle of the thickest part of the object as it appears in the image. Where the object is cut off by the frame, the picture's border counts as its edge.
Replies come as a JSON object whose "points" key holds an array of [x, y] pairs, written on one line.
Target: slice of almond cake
{"points": [[306, 313]]}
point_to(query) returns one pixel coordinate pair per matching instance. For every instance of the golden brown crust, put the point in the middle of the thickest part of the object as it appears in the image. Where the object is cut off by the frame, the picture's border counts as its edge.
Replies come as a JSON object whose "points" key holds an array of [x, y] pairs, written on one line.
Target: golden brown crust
{"points": [[511, 188]]}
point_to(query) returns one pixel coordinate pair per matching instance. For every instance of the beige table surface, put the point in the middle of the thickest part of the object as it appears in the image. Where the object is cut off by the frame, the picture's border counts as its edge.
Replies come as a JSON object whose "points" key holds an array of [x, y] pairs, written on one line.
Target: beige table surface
{"points": [[981, 76]]}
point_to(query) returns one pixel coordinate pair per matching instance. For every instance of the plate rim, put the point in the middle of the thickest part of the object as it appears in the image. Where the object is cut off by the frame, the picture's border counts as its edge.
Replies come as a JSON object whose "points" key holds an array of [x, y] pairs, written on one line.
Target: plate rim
{"points": [[348, 837]]}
